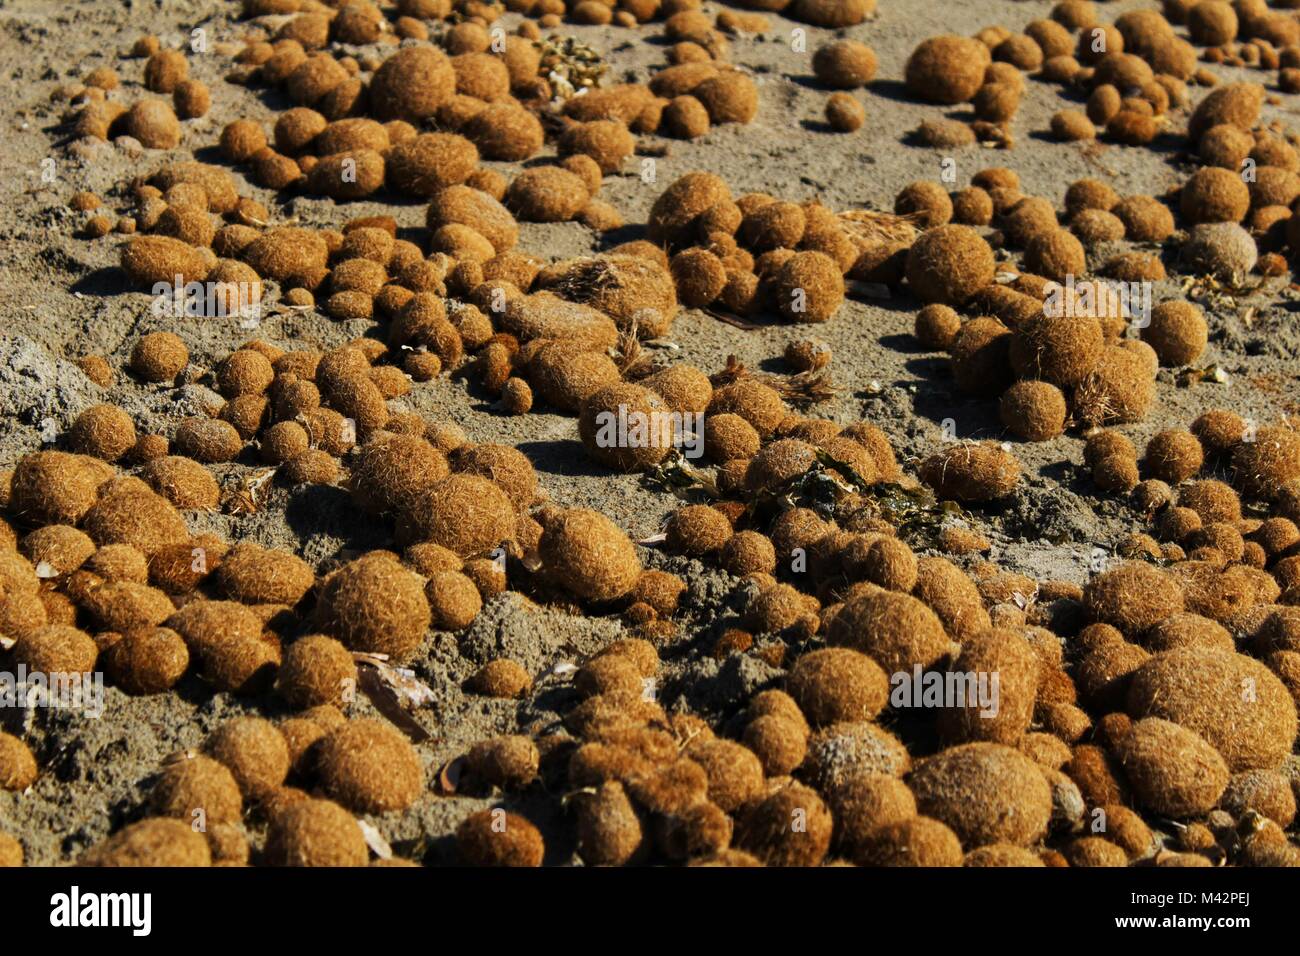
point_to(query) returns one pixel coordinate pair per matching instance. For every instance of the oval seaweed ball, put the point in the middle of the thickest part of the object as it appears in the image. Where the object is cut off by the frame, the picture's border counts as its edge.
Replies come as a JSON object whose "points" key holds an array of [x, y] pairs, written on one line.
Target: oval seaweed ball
{"points": [[465, 513], [1033, 410], [1214, 195], [315, 833], [1174, 455], [1177, 331], [316, 670], [1173, 771], [104, 431], [626, 426], [845, 64], [589, 555], [369, 767], [765, 829], [949, 264], [498, 838], [546, 194], [1233, 701], [412, 83], [896, 630], [986, 793], [1264, 465], [809, 287], [972, 472], [946, 69], [197, 783], [937, 326], [17, 765], [159, 357], [147, 660], [918, 841], [253, 750], [837, 684], [374, 604]]}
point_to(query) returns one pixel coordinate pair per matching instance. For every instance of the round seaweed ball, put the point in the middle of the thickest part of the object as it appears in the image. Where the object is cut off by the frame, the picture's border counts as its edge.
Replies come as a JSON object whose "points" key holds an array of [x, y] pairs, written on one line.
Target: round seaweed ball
{"points": [[974, 472], [253, 750], [765, 829], [197, 783], [498, 838], [917, 841], [809, 287], [1233, 701], [1268, 462], [949, 264], [986, 793], [315, 833], [147, 660], [159, 357], [946, 69], [374, 604], [1173, 770], [369, 767], [1033, 410], [1174, 455], [153, 842], [845, 64], [837, 684], [17, 765], [316, 670], [589, 555], [1177, 331]]}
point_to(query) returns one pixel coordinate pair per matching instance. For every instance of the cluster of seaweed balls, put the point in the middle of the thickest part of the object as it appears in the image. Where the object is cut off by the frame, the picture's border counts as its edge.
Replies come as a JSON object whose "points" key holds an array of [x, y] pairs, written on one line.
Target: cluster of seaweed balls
{"points": [[1119, 699]]}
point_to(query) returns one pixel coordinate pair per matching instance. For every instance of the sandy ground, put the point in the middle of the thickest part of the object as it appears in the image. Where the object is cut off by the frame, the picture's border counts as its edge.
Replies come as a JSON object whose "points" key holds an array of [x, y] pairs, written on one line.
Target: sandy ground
{"points": [[62, 297]]}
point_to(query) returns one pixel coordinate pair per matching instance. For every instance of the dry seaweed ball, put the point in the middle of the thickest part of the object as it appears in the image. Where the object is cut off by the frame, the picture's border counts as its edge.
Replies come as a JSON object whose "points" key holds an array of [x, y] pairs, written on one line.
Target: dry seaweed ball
{"points": [[837, 684], [509, 762], [766, 828], [314, 832], [1266, 792], [673, 215], [147, 660], [972, 472], [626, 426], [546, 194], [897, 630], [748, 552], [1145, 219], [1263, 465], [845, 114], [207, 440], [17, 765], [1057, 255], [316, 670], [1233, 701], [809, 287], [927, 201], [454, 600], [946, 69], [504, 131], [1133, 597], [917, 841], [104, 431], [502, 678], [411, 84], [392, 472], [1221, 249], [949, 264], [498, 838], [589, 555], [241, 140], [845, 64], [980, 356], [1177, 331], [936, 326], [56, 649], [699, 276], [197, 789], [697, 530], [1172, 770], [1174, 455], [153, 260], [369, 767], [1119, 389], [152, 842], [374, 604], [608, 142], [1214, 195], [986, 793], [1033, 410], [779, 743], [253, 750], [154, 124], [478, 210], [466, 513]]}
